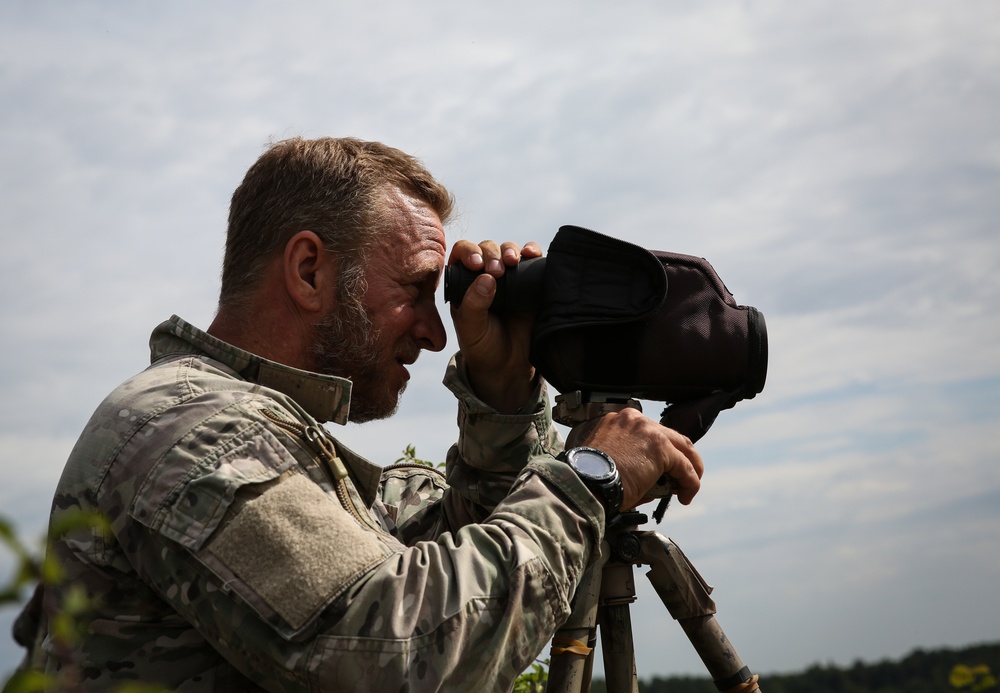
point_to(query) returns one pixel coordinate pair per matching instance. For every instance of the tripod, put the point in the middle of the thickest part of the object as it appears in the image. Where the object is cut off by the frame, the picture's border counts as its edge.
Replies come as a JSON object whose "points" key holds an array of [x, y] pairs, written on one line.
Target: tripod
{"points": [[606, 590]]}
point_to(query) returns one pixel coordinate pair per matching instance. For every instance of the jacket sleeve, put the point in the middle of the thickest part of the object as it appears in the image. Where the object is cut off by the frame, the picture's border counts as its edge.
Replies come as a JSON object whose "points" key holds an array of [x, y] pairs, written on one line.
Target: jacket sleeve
{"points": [[491, 451], [471, 610]]}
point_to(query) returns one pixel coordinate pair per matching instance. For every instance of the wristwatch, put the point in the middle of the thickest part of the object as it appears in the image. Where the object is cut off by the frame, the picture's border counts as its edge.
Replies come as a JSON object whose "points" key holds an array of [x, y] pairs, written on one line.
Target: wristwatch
{"points": [[598, 472]]}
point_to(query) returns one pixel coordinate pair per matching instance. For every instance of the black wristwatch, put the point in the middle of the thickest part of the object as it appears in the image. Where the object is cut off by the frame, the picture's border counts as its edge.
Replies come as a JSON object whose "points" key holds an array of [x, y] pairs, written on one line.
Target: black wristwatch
{"points": [[598, 471]]}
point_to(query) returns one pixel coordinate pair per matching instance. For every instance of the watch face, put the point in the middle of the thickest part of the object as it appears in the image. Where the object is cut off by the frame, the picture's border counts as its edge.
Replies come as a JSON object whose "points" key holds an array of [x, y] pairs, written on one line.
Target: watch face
{"points": [[591, 463]]}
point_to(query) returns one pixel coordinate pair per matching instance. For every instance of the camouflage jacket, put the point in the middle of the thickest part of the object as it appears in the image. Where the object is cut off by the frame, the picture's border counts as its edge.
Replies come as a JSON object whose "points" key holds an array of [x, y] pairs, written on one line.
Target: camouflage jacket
{"points": [[249, 550]]}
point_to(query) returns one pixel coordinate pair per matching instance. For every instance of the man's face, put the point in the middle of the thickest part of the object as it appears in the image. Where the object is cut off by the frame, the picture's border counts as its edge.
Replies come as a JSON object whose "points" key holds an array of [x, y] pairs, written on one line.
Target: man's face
{"points": [[373, 343]]}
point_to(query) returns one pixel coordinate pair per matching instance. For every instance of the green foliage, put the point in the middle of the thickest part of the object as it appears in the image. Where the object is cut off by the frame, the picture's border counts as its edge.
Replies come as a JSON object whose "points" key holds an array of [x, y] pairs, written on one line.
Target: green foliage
{"points": [[973, 678], [410, 457], [534, 679], [28, 682], [66, 627], [37, 682], [31, 566], [26, 571]]}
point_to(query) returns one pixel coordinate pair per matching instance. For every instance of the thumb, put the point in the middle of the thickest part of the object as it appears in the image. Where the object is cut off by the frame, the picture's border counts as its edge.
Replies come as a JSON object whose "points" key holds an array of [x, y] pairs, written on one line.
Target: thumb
{"points": [[474, 309]]}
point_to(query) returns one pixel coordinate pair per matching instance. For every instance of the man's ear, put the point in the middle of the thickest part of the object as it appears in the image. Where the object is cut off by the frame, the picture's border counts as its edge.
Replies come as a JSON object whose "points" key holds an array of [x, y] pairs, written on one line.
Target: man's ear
{"points": [[310, 273]]}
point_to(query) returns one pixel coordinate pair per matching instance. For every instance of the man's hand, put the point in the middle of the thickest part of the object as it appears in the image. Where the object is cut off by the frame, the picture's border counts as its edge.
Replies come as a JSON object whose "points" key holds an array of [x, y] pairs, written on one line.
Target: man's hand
{"points": [[643, 451], [495, 349]]}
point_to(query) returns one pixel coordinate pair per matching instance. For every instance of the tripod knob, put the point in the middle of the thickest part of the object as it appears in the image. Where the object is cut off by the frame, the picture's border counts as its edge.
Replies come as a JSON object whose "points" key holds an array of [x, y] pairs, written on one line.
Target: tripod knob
{"points": [[626, 549]]}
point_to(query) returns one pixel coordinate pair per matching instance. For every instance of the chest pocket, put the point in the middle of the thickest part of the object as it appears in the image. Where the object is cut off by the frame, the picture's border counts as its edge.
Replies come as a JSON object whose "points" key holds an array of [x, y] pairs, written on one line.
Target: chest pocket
{"points": [[187, 494]]}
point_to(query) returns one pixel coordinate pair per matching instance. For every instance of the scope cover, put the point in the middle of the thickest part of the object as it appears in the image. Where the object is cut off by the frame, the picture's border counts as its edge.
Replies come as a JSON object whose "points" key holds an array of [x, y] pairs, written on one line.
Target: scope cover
{"points": [[654, 325]]}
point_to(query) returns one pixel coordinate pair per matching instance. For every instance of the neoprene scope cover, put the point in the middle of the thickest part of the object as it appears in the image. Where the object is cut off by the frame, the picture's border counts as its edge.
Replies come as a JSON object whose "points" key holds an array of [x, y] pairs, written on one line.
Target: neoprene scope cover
{"points": [[617, 318]]}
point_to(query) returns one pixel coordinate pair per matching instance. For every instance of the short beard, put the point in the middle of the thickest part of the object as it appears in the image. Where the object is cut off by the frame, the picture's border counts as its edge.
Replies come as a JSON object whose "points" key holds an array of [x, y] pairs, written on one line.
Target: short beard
{"points": [[348, 345]]}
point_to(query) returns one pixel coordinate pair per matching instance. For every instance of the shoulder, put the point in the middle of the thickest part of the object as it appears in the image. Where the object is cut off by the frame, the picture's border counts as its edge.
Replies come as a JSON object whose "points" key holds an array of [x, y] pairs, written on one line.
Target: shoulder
{"points": [[180, 424]]}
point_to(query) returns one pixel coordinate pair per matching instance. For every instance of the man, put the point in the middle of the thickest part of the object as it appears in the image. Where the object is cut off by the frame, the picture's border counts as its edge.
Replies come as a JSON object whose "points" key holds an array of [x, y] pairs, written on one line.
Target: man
{"points": [[248, 549]]}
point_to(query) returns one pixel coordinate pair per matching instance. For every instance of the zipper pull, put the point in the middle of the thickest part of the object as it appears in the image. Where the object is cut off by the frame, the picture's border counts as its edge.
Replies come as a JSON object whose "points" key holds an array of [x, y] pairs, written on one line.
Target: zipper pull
{"points": [[324, 446]]}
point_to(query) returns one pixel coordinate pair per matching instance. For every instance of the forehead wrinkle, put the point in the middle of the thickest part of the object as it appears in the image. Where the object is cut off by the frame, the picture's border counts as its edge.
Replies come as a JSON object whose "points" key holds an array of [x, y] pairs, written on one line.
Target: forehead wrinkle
{"points": [[421, 219], [412, 241]]}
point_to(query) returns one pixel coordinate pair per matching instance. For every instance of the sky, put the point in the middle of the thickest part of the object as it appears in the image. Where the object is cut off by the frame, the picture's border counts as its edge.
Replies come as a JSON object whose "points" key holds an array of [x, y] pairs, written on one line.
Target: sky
{"points": [[838, 163]]}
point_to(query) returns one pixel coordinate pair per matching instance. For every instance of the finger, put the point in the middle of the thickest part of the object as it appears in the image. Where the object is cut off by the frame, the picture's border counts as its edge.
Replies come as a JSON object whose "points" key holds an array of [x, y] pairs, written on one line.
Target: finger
{"points": [[686, 447], [686, 495], [468, 253], [511, 253], [492, 258], [531, 249], [688, 480]]}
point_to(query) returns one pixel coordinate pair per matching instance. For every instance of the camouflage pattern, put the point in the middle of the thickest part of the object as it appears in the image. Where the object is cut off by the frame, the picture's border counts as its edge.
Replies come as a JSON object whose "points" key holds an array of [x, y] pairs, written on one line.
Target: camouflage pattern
{"points": [[246, 555]]}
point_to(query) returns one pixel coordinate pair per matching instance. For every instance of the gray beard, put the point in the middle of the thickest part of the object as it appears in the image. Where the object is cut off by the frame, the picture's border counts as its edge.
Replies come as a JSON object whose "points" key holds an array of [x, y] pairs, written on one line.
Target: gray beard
{"points": [[348, 345]]}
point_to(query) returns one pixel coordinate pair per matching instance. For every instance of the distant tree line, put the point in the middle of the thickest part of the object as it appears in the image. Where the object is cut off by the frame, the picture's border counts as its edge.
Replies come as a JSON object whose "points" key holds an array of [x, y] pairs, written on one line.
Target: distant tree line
{"points": [[966, 670]]}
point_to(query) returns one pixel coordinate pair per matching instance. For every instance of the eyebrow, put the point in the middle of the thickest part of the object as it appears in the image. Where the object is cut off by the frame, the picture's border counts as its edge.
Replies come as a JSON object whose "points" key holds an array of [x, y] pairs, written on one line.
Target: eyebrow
{"points": [[422, 271]]}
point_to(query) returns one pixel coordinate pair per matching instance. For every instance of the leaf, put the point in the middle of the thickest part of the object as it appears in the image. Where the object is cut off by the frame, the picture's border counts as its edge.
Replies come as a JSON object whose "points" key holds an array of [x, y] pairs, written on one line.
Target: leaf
{"points": [[78, 519], [32, 681]]}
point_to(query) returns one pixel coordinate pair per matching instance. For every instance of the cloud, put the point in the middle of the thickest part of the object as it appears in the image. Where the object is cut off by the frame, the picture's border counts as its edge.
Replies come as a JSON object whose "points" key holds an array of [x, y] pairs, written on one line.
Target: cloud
{"points": [[838, 165]]}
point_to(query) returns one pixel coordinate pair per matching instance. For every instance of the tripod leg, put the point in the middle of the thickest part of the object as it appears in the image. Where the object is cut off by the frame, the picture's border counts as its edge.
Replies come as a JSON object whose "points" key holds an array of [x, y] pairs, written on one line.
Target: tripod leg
{"points": [[617, 592], [686, 595], [572, 656]]}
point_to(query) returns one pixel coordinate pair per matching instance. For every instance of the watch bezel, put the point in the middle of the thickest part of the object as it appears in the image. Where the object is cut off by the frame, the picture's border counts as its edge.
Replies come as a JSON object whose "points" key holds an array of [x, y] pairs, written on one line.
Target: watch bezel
{"points": [[572, 454], [607, 488]]}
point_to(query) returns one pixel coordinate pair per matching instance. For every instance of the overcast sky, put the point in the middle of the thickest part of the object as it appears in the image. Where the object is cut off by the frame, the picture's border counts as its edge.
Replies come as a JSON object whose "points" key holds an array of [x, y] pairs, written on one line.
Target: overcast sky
{"points": [[838, 163]]}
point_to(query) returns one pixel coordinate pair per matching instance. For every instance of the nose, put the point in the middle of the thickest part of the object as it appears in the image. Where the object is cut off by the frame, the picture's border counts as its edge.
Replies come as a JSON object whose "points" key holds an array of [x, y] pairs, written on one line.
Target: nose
{"points": [[429, 330]]}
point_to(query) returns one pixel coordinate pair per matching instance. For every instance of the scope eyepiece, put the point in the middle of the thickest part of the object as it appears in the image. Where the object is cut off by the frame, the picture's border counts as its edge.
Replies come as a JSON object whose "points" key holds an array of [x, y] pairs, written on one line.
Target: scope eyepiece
{"points": [[519, 290]]}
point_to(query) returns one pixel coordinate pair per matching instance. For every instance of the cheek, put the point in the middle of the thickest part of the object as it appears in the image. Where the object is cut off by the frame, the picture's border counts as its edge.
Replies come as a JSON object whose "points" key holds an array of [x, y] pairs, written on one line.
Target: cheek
{"points": [[397, 322]]}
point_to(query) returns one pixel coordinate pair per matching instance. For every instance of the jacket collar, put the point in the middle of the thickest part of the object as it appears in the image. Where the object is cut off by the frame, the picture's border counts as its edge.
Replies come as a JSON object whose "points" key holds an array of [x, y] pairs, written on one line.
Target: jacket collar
{"points": [[324, 397]]}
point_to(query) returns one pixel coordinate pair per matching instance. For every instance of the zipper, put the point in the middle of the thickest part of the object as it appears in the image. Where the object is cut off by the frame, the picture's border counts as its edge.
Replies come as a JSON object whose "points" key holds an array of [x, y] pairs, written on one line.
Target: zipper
{"points": [[321, 444]]}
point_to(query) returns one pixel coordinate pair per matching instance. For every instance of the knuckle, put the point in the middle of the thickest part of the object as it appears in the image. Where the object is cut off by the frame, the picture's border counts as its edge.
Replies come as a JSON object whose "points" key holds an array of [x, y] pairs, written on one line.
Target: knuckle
{"points": [[630, 414]]}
